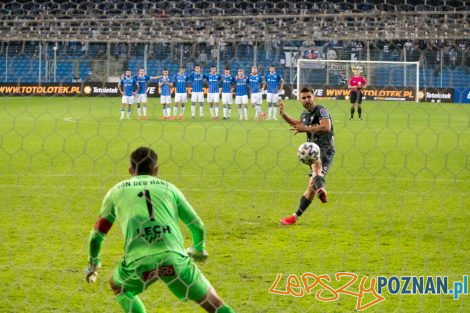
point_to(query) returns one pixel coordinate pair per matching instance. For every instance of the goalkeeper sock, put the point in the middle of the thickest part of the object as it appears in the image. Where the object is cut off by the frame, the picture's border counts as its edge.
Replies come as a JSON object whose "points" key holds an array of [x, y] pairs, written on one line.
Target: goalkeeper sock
{"points": [[352, 112], [303, 205], [130, 303], [359, 112], [224, 309]]}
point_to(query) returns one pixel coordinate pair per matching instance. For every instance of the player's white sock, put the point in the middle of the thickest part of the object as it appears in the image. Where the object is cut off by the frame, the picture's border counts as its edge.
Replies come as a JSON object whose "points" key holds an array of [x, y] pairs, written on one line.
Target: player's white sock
{"points": [[211, 110], [229, 112], [216, 111], [245, 110], [145, 111], [224, 110], [240, 113], [139, 111], [168, 111], [182, 110], [257, 110], [270, 112], [274, 112], [128, 113], [175, 111], [193, 109], [201, 109]]}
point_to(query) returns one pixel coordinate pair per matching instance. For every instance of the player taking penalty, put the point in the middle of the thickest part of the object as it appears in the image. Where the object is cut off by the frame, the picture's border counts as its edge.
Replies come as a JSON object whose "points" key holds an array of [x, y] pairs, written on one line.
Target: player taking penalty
{"points": [[316, 122], [148, 210]]}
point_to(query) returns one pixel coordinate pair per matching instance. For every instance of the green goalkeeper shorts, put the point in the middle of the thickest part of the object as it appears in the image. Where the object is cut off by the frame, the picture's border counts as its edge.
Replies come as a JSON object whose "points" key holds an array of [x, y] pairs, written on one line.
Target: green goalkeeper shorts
{"points": [[177, 271]]}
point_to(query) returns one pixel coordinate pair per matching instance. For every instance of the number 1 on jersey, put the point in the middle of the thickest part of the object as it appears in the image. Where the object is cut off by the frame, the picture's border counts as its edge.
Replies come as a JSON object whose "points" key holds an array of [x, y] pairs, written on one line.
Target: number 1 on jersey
{"points": [[148, 200]]}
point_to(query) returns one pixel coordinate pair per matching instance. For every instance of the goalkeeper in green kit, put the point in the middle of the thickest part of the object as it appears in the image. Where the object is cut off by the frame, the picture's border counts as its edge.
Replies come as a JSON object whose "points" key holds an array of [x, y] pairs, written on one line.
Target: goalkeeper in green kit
{"points": [[148, 210]]}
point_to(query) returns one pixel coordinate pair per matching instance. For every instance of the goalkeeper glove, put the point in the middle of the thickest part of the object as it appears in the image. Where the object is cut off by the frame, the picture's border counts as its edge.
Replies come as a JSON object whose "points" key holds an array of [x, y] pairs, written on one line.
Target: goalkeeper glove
{"points": [[91, 272], [197, 255]]}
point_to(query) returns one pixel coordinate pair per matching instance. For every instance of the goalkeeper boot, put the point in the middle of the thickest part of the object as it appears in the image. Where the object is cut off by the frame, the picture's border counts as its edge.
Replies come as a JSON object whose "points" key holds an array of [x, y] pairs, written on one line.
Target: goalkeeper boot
{"points": [[321, 193], [290, 220]]}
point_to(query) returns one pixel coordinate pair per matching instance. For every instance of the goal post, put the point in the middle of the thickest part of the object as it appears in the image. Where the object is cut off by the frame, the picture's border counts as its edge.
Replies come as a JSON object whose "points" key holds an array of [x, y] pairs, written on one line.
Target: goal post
{"points": [[379, 74]]}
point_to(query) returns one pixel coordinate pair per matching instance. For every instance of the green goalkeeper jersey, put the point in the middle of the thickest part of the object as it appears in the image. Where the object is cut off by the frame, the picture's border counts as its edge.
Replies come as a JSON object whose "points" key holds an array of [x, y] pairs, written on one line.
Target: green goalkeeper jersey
{"points": [[148, 210]]}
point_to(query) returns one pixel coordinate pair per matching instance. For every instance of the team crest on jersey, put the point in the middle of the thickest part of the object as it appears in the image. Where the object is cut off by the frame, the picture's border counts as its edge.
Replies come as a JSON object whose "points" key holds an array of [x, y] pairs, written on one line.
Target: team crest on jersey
{"points": [[324, 112]]}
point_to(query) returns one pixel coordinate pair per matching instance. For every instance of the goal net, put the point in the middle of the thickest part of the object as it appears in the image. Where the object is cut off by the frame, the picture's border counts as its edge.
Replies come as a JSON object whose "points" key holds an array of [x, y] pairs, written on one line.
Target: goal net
{"points": [[385, 80]]}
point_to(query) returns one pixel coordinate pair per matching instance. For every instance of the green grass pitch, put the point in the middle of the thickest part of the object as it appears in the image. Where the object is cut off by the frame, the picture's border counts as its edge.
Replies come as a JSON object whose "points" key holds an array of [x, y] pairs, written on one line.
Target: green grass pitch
{"points": [[399, 198]]}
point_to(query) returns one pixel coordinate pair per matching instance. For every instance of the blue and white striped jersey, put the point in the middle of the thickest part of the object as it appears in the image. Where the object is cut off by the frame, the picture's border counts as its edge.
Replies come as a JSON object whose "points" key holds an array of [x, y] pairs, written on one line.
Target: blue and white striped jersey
{"points": [[128, 85], [240, 89], [180, 82], [227, 83], [142, 81], [166, 88], [213, 82], [196, 81], [273, 81], [255, 82]]}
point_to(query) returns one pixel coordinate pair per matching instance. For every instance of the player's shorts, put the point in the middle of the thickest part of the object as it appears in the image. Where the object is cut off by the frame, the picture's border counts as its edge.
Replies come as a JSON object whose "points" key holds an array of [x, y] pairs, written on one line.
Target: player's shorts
{"points": [[197, 97], [272, 97], [142, 98], [181, 97], [128, 99], [327, 153], [227, 98], [241, 99], [356, 96], [256, 98], [165, 99], [213, 97], [178, 272]]}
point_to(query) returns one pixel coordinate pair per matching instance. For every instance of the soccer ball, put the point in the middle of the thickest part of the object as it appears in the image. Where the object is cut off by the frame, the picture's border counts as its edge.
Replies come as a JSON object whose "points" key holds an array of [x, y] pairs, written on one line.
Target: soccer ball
{"points": [[308, 153]]}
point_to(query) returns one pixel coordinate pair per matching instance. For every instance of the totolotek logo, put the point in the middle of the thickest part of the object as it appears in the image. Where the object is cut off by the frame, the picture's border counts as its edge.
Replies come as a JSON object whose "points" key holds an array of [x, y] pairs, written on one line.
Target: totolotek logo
{"points": [[105, 90], [438, 95]]}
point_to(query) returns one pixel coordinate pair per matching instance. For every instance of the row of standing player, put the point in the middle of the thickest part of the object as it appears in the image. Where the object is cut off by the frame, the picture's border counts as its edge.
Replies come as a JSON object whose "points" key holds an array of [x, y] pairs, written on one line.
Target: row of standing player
{"points": [[136, 86]]}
